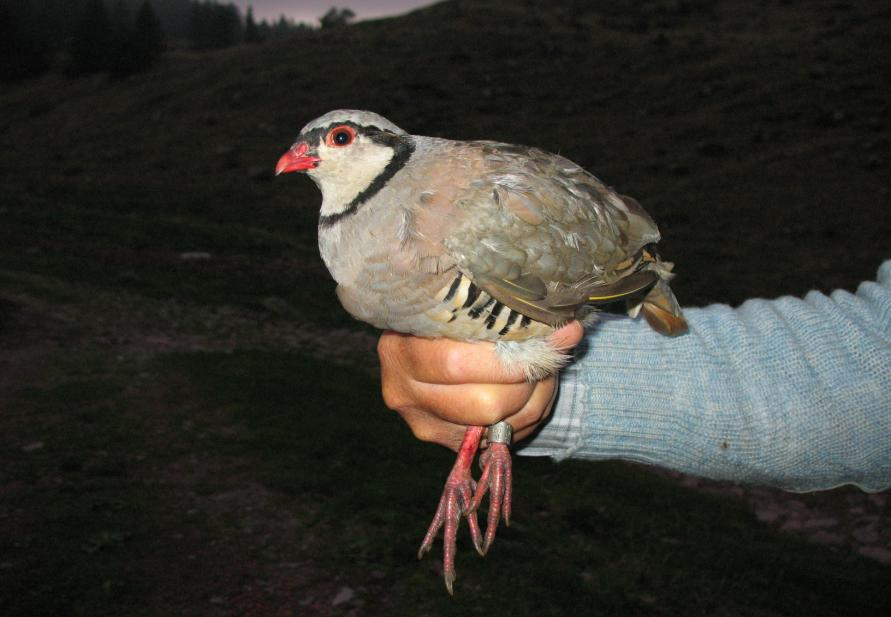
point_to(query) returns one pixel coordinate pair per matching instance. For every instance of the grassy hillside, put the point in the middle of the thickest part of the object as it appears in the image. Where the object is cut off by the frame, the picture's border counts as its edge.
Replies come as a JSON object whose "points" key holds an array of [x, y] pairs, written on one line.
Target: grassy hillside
{"points": [[175, 369]]}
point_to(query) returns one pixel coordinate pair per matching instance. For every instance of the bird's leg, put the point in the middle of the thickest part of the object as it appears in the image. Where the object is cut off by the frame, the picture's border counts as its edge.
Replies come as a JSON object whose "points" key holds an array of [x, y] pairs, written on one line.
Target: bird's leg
{"points": [[496, 479], [455, 501]]}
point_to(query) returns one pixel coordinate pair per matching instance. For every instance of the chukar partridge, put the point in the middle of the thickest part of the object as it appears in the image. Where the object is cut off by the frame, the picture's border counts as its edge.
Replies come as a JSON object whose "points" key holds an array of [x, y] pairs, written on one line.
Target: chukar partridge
{"points": [[475, 240]]}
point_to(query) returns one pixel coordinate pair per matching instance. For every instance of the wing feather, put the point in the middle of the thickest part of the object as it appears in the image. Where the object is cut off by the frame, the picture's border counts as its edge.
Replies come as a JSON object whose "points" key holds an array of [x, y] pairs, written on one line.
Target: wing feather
{"points": [[543, 236]]}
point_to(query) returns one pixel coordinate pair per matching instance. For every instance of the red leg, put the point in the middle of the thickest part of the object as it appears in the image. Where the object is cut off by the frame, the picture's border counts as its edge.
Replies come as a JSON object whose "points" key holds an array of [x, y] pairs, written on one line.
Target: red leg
{"points": [[455, 501], [497, 477]]}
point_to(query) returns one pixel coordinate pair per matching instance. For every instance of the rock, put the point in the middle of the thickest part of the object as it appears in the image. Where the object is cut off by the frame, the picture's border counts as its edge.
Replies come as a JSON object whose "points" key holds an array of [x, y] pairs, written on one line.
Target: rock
{"points": [[878, 499], [767, 515], [820, 523], [825, 537], [791, 525], [868, 519], [276, 305], [796, 505], [343, 595], [866, 535], [195, 256], [880, 554]]}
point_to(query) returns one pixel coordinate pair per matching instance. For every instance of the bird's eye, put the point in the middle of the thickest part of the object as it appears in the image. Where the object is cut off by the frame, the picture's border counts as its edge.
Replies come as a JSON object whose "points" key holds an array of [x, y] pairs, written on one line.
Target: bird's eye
{"points": [[341, 136]]}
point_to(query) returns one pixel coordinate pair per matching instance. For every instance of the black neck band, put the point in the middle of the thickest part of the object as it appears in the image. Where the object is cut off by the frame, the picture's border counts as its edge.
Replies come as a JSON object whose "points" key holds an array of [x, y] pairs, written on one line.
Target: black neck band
{"points": [[403, 147]]}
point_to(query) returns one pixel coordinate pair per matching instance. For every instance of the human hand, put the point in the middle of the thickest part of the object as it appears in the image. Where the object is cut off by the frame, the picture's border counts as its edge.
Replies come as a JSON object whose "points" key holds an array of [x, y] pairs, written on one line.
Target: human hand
{"points": [[441, 386]]}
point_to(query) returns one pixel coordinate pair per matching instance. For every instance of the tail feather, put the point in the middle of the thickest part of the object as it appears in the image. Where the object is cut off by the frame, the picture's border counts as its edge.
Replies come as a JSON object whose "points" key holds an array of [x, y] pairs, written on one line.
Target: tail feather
{"points": [[661, 310]]}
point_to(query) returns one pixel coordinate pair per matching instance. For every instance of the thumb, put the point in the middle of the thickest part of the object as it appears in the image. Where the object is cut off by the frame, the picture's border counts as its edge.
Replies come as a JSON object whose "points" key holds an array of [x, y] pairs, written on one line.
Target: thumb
{"points": [[568, 336]]}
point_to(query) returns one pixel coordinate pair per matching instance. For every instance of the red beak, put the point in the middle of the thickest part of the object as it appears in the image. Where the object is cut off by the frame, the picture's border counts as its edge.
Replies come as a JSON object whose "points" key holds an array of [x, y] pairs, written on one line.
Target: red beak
{"points": [[296, 159]]}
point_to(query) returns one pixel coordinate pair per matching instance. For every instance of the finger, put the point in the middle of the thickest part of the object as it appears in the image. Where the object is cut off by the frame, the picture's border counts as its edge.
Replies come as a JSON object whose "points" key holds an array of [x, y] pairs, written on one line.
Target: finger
{"points": [[445, 361], [534, 412], [427, 427], [473, 404], [524, 432], [568, 336], [536, 407]]}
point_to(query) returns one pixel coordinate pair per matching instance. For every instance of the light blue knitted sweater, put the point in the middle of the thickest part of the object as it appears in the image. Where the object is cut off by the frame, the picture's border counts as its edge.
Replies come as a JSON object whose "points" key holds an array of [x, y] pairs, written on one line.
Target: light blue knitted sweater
{"points": [[790, 393]]}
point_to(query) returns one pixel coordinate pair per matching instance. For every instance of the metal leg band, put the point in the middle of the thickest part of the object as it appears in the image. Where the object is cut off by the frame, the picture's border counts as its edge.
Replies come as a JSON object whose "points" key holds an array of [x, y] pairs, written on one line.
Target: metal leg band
{"points": [[501, 433]]}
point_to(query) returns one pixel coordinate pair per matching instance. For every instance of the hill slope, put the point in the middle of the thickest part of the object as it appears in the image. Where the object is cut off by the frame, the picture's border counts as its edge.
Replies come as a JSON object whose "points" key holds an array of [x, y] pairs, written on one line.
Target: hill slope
{"points": [[189, 424]]}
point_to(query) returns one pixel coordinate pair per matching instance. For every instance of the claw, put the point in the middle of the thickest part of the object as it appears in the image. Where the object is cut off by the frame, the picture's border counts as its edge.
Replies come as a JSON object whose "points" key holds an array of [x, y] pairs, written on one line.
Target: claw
{"points": [[456, 500], [450, 581], [497, 480]]}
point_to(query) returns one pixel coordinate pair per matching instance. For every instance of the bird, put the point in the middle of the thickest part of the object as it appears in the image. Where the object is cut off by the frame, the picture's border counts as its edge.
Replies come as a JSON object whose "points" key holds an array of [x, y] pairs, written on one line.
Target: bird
{"points": [[479, 241]]}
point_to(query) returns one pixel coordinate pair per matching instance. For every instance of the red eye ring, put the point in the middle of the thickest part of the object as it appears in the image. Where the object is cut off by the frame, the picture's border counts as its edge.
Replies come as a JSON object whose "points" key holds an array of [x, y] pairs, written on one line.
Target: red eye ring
{"points": [[340, 136]]}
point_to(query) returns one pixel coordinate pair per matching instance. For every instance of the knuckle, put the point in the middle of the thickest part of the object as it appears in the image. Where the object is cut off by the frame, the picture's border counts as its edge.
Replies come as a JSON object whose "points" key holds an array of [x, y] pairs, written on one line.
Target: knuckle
{"points": [[482, 399], [488, 404], [393, 395], [452, 365], [387, 347], [422, 431]]}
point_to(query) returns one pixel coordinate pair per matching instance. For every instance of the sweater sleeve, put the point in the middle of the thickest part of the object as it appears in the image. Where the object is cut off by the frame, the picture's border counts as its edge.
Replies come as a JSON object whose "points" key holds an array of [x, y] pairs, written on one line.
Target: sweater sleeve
{"points": [[793, 393]]}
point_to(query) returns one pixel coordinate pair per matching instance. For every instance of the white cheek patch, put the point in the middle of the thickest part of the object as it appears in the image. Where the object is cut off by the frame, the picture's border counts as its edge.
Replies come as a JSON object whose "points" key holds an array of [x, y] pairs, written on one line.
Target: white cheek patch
{"points": [[345, 173]]}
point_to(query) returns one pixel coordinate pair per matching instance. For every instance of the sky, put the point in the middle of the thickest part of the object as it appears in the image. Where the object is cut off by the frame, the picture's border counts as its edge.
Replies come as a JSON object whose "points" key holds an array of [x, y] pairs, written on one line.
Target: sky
{"points": [[310, 10]]}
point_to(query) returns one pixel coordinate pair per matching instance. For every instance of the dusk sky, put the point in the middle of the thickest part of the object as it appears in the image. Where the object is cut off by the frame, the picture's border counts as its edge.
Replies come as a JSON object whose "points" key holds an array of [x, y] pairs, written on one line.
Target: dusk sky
{"points": [[310, 10]]}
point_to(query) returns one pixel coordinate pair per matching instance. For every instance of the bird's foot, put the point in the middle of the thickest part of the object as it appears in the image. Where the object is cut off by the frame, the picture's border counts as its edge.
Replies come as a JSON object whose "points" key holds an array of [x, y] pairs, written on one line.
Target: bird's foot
{"points": [[455, 502], [497, 480]]}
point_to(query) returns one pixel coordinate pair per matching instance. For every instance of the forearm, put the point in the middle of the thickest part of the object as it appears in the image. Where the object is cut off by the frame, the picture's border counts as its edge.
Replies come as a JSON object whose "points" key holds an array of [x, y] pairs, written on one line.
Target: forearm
{"points": [[791, 393]]}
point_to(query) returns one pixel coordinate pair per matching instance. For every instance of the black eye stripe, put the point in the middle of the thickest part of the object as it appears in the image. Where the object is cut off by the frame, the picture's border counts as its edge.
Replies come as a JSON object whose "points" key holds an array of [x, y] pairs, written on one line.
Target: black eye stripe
{"points": [[374, 133]]}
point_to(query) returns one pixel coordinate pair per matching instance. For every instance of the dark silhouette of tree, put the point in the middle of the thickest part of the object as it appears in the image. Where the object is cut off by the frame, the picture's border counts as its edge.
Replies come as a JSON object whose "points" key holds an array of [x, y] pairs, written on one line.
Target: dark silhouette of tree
{"points": [[93, 41], [122, 54], [336, 18], [22, 53], [251, 31], [147, 33], [137, 47], [214, 26], [119, 17], [282, 26]]}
